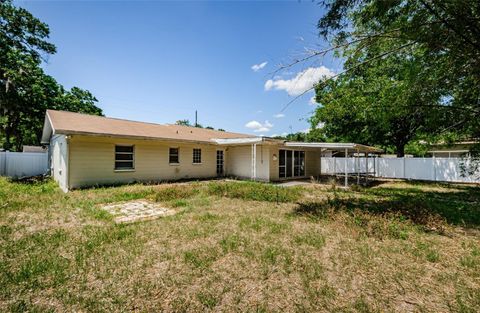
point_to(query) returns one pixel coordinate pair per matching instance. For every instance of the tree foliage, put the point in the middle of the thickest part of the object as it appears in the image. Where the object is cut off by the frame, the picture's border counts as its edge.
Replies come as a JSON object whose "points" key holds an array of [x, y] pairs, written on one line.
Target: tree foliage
{"points": [[412, 70], [26, 92]]}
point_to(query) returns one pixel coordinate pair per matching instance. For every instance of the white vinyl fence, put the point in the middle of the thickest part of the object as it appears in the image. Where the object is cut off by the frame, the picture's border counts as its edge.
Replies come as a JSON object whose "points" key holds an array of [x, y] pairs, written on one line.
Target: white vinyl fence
{"points": [[23, 164], [435, 169]]}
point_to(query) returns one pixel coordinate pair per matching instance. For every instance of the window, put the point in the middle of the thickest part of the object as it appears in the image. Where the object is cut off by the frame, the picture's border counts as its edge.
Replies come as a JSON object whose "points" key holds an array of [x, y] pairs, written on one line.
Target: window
{"points": [[173, 156], [197, 156], [220, 162], [124, 157]]}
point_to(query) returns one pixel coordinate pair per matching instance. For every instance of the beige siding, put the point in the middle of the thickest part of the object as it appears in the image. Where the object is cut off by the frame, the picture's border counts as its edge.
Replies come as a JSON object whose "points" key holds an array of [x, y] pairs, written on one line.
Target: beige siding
{"points": [[274, 163], [92, 161], [239, 162]]}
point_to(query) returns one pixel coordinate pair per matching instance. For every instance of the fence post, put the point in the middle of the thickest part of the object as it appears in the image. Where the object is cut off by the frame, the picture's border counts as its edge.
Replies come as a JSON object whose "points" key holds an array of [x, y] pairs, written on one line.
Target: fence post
{"points": [[434, 168], [6, 163], [404, 169]]}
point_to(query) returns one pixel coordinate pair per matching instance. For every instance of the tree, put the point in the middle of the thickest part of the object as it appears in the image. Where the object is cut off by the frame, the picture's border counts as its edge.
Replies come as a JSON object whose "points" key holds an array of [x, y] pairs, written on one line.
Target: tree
{"points": [[183, 123], [411, 70], [382, 104], [26, 92]]}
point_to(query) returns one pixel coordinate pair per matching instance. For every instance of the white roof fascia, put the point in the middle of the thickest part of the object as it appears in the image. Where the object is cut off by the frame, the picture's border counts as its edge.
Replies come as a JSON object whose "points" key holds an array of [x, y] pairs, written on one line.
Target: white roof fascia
{"points": [[237, 141], [332, 145], [48, 129]]}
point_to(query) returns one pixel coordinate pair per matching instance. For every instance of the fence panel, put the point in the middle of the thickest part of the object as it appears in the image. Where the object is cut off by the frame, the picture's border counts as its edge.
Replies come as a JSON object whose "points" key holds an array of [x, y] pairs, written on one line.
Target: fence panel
{"points": [[419, 168], [436, 169], [22, 164], [2, 163], [390, 168]]}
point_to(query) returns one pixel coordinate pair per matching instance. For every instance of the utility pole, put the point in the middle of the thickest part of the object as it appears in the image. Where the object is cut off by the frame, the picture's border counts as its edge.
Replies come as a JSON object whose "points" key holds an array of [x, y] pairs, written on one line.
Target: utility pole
{"points": [[196, 124]]}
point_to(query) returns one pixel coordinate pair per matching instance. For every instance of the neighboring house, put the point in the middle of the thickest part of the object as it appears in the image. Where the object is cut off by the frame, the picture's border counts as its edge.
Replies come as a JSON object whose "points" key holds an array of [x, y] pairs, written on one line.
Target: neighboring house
{"points": [[88, 150], [452, 150], [34, 149]]}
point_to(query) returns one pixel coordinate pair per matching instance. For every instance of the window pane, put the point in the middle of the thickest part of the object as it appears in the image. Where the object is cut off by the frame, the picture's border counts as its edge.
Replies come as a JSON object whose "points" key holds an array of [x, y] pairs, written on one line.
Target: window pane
{"points": [[173, 156], [197, 156], [123, 165], [289, 163], [120, 157], [123, 148], [282, 157]]}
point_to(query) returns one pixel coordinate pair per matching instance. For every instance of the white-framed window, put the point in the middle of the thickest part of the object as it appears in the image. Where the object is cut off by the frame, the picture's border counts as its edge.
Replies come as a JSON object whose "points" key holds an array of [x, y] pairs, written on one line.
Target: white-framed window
{"points": [[124, 157], [173, 156], [197, 156]]}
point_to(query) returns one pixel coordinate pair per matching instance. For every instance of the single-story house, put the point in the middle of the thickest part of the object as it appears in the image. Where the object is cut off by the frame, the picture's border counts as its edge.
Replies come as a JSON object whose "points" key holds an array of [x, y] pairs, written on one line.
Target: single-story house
{"points": [[88, 150], [456, 149]]}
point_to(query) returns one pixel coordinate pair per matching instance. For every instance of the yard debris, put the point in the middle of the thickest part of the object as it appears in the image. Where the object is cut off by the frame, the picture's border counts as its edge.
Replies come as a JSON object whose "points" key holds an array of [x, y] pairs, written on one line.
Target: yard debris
{"points": [[137, 210]]}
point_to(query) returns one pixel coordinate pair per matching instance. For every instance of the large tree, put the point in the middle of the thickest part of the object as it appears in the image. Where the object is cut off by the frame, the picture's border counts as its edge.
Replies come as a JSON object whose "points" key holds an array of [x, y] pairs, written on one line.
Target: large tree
{"points": [[26, 92], [412, 69]]}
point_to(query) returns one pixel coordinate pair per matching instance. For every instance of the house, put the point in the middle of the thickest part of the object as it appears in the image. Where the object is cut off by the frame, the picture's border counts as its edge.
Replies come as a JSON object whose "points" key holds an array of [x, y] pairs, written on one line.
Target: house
{"points": [[88, 150], [456, 149], [34, 149]]}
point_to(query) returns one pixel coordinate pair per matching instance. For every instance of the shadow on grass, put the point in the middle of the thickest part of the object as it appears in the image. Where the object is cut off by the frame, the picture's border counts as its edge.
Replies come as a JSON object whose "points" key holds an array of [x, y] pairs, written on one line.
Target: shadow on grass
{"points": [[455, 204]]}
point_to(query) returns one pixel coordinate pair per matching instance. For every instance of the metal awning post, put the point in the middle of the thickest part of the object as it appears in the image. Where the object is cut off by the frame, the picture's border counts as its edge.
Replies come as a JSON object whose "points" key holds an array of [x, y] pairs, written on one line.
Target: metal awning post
{"points": [[346, 168], [367, 169], [254, 161], [320, 166], [358, 167]]}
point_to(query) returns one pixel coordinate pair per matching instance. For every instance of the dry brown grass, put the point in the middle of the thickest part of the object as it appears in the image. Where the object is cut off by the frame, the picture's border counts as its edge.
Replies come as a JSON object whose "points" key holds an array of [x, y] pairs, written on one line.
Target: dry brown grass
{"points": [[59, 252]]}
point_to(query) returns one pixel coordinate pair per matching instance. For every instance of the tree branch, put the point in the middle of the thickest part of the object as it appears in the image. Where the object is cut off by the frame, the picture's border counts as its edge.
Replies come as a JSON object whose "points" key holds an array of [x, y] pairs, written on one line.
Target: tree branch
{"points": [[347, 70]]}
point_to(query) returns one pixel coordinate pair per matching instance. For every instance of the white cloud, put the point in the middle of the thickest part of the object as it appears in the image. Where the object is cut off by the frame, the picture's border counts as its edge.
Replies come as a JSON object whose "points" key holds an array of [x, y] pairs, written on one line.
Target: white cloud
{"points": [[257, 67], [259, 127], [302, 82], [284, 134], [279, 115]]}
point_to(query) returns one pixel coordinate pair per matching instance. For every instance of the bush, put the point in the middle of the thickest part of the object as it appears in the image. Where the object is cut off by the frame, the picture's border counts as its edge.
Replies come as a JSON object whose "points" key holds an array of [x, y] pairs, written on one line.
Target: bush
{"points": [[253, 191]]}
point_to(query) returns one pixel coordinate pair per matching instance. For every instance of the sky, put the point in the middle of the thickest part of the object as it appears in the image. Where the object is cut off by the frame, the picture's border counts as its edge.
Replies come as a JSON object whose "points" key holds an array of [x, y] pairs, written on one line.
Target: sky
{"points": [[158, 61]]}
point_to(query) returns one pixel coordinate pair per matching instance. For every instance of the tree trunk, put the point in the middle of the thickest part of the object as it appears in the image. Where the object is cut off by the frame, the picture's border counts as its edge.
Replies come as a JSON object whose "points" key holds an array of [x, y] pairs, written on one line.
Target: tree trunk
{"points": [[400, 150]]}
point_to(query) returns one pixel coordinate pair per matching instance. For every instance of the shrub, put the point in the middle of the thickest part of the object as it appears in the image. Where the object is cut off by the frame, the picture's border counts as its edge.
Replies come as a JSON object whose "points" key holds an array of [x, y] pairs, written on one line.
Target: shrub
{"points": [[254, 191]]}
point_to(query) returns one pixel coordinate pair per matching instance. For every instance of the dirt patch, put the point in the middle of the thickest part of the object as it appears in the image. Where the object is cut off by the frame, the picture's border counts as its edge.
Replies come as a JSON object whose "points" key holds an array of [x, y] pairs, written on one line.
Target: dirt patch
{"points": [[138, 210]]}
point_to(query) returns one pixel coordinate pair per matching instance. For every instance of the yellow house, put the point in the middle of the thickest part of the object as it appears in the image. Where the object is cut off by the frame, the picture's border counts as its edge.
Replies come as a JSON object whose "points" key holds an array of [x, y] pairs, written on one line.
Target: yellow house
{"points": [[88, 150]]}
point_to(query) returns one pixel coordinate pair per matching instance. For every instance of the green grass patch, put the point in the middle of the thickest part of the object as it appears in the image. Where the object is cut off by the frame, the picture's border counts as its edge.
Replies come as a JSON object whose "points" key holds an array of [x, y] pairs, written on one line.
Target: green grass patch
{"points": [[175, 192], [313, 239], [254, 191]]}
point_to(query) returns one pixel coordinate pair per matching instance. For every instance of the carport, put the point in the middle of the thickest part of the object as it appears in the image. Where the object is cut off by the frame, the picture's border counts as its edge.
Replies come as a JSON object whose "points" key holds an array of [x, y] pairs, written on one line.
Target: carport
{"points": [[347, 150]]}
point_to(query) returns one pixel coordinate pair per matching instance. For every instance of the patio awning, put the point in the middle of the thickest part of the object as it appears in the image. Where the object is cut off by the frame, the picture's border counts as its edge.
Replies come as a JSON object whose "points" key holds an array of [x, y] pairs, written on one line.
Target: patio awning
{"points": [[336, 146], [246, 141]]}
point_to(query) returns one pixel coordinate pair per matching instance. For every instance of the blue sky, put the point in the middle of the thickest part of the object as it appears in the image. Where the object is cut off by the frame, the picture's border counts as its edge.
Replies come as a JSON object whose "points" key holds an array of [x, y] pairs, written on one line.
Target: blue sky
{"points": [[161, 61]]}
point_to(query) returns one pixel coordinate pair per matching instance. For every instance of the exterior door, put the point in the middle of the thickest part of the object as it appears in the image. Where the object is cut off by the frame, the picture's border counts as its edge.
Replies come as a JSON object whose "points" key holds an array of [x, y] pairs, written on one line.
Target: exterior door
{"points": [[220, 162], [291, 163]]}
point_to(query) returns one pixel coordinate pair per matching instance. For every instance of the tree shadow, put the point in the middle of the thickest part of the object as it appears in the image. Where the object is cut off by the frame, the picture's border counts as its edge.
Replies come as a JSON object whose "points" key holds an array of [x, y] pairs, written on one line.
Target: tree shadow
{"points": [[30, 180], [459, 206]]}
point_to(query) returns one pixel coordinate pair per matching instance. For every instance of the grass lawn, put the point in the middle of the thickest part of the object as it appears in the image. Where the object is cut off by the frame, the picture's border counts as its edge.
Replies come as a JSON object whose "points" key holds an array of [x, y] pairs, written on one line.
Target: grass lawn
{"points": [[242, 247]]}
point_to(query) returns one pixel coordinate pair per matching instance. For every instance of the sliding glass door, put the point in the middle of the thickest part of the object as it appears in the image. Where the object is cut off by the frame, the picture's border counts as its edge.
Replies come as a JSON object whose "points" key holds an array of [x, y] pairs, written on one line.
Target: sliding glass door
{"points": [[291, 163]]}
